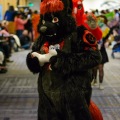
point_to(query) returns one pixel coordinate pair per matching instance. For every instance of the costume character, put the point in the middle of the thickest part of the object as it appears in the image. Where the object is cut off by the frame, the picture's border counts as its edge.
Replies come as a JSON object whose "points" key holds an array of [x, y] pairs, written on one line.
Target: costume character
{"points": [[64, 82], [88, 20]]}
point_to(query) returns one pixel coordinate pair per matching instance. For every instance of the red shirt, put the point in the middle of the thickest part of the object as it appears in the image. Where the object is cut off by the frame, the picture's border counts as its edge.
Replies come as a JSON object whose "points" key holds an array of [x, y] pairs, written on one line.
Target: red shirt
{"points": [[20, 23]]}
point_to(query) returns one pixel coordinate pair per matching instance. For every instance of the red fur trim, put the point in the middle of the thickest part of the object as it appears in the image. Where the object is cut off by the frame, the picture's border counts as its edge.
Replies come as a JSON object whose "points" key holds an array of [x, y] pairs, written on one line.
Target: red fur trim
{"points": [[46, 46], [95, 111], [78, 13], [48, 6], [61, 44]]}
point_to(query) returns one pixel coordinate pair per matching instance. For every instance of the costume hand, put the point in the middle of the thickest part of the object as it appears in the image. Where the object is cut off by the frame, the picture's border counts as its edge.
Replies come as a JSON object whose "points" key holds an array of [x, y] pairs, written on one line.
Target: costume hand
{"points": [[44, 58], [53, 59]]}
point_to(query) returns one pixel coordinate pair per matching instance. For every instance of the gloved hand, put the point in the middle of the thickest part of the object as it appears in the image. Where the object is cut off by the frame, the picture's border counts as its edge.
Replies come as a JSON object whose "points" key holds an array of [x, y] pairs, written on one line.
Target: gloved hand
{"points": [[53, 59], [44, 58]]}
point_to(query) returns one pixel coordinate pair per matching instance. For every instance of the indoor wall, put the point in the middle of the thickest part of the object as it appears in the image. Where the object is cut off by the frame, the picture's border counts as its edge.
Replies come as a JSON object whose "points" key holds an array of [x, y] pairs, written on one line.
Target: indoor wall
{"points": [[5, 4]]}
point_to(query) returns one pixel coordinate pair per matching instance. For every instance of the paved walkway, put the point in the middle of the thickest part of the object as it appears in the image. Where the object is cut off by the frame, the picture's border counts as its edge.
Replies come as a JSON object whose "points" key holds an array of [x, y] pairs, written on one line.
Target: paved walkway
{"points": [[19, 97]]}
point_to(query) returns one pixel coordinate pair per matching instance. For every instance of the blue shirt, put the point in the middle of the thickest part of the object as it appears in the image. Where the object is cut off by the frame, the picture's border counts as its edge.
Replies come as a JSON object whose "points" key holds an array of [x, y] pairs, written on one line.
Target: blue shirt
{"points": [[9, 15]]}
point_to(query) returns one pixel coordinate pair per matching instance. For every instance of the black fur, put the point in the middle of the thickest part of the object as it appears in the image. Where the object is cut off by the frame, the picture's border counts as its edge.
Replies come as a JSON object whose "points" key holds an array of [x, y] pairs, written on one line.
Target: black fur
{"points": [[62, 28], [64, 91], [33, 64]]}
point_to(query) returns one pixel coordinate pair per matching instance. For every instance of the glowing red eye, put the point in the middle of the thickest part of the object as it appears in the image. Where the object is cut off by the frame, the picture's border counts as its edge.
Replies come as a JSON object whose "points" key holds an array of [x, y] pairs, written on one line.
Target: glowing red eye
{"points": [[55, 19]]}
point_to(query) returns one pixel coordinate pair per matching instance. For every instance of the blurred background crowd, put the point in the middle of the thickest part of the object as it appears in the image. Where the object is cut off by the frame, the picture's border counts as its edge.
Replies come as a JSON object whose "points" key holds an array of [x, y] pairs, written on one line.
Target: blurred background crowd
{"points": [[18, 31]]}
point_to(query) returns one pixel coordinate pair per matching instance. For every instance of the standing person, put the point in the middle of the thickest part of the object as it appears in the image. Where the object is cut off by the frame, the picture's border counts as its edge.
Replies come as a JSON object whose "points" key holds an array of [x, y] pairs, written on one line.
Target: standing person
{"points": [[29, 25], [9, 16], [105, 59], [100, 67], [116, 45], [35, 22], [114, 23], [20, 22], [64, 56]]}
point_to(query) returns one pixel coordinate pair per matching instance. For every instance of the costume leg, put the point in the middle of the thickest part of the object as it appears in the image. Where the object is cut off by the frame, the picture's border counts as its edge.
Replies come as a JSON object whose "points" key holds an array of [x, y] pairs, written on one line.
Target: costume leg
{"points": [[94, 75], [101, 75], [77, 105]]}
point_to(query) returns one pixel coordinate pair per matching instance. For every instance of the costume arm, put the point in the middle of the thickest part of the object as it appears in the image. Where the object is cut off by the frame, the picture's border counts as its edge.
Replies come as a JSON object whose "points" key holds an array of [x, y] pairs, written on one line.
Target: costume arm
{"points": [[33, 63], [76, 60]]}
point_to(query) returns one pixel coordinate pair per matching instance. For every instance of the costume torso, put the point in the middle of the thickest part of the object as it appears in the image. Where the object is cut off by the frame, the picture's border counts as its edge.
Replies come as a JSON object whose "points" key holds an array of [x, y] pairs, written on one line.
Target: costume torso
{"points": [[60, 88], [64, 82]]}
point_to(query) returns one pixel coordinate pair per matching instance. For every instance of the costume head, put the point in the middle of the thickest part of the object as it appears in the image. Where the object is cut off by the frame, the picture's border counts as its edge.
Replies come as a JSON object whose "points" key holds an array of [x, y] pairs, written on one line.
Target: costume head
{"points": [[56, 23], [56, 19], [78, 11]]}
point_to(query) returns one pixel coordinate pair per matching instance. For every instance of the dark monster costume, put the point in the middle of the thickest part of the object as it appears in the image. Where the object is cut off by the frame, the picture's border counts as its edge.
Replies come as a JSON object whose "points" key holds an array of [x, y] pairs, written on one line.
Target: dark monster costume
{"points": [[64, 83]]}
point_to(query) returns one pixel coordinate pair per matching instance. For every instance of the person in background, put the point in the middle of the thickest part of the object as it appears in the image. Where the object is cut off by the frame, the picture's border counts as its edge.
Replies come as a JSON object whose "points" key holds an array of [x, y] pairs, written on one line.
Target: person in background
{"points": [[3, 68], [116, 42], [25, 40], [35, 22], [29, 26], [114, 23], [100, 67], [9, 16], [5, 48], [20, 22], [5, 43], [102, 48]]}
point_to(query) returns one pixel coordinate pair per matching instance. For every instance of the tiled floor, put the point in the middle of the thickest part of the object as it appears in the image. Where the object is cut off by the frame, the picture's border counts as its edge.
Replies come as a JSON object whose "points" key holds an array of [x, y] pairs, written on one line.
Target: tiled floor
{"points": [[108, 99], [19, 97]]}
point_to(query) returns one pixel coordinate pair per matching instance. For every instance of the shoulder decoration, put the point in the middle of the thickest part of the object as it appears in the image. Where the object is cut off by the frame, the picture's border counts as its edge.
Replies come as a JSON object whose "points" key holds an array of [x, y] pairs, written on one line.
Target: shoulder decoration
{"points": [[89, 39]]}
